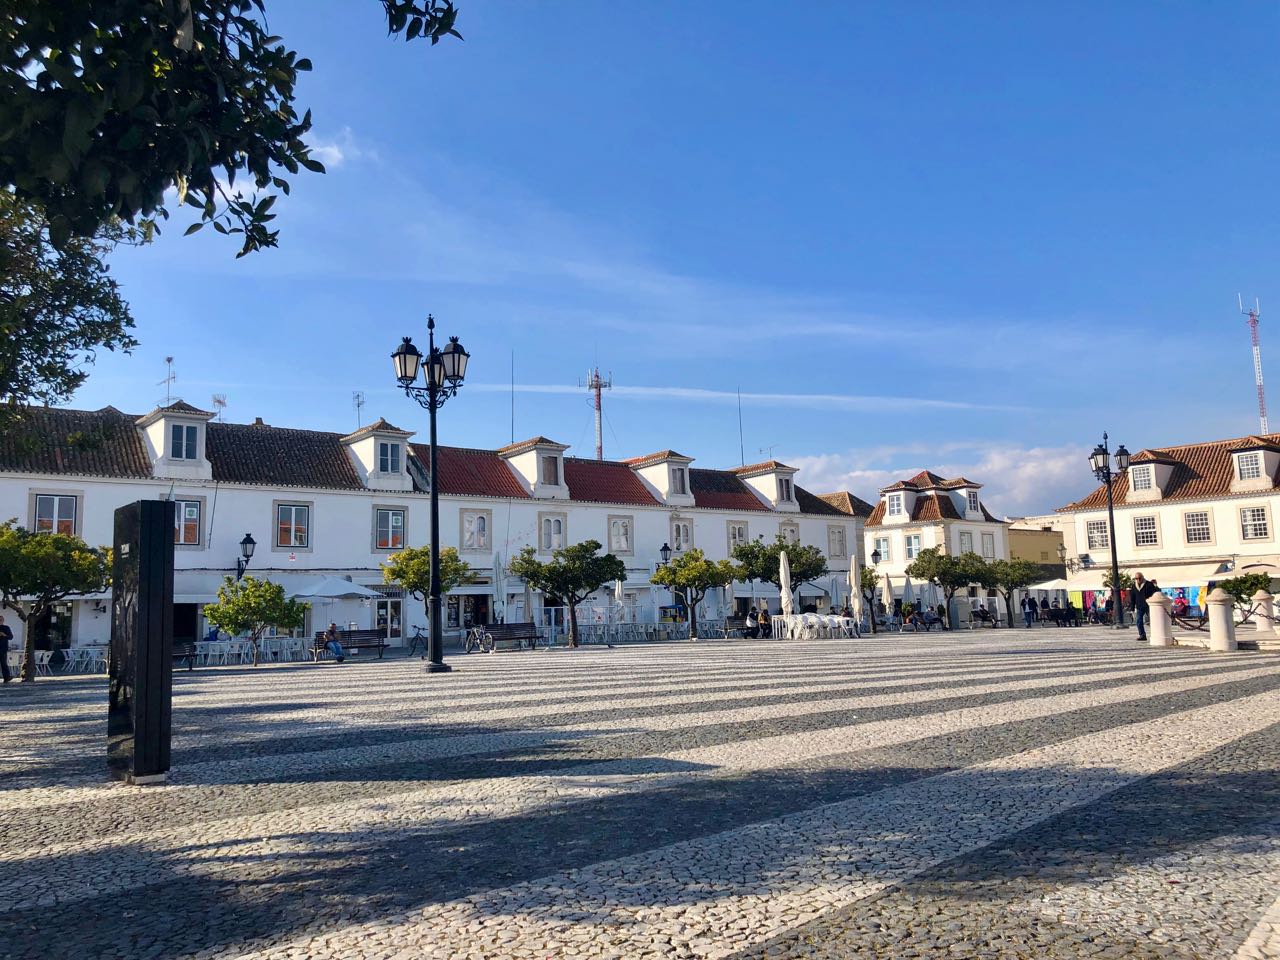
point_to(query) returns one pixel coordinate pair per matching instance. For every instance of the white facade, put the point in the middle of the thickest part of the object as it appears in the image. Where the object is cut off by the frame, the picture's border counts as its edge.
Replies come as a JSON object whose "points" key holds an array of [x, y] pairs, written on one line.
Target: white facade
{"points": [[307, 532]]}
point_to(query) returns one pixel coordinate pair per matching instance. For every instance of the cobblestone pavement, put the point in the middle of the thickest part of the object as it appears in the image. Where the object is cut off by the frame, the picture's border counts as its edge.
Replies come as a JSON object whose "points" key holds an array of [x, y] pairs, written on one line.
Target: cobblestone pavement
{"points": [[1031, 794]]}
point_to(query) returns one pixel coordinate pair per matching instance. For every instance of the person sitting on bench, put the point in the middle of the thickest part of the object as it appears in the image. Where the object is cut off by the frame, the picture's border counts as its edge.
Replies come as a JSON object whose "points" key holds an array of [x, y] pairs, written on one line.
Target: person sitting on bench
{"points": [[982, 615], [331, 643]]}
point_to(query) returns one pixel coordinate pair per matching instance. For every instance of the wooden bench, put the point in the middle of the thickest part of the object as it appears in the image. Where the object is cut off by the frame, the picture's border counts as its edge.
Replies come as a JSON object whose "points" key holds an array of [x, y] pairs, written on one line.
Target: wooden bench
{"points": [[989, 621], [185, 650], [735, 625], [351, 640], [512, 636]]}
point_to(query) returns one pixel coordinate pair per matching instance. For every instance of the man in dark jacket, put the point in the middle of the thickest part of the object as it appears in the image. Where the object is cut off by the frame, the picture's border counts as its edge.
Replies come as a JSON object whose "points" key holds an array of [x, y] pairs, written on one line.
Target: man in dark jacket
{"points": [[1141, 593], [6, 635]]}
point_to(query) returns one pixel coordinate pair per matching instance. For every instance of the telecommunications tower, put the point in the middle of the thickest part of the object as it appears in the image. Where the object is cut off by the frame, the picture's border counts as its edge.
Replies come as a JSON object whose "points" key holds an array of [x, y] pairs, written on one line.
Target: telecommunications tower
{"points": [[596, 383], [1252, 315]]}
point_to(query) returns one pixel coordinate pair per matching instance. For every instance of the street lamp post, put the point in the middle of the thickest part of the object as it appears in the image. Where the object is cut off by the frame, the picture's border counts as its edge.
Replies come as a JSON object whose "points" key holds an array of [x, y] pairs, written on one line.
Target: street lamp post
{"points": [[1100, 461], [443, 372], [871, 613], [246, 554]]}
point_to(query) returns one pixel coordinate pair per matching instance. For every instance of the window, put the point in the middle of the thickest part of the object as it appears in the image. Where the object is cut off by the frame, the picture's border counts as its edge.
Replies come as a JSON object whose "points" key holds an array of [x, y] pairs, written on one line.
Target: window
{"points": [[56, 514], [1198, 527], [475, 529], [784, 489], [737, 534], [882, 545], [913, 545], [836, 542], [679, 480], [790, 532], [293, 525], [1140, 478], [552, 531], [551, 470], [1044, 556], [186, 523], [182, 442], [966, 541], [973, 502], [388, 529], [894, 509], [1253, 523], [1145, 533], [620, 535], [388, 457], [1249, 466], [989, 546], [1098, 535], [681, 535]]}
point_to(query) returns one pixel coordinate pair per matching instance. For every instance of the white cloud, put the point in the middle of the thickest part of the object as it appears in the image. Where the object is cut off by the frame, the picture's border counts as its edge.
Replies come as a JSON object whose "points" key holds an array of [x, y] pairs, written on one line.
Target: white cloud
{"points": [[1016, 481], [338, 151]]}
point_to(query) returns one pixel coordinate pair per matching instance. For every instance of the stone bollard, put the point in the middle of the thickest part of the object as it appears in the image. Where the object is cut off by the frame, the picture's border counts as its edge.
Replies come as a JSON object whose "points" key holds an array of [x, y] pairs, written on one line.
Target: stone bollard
{"points": [[1222, 627], [1161, 632], [1263, 612]]}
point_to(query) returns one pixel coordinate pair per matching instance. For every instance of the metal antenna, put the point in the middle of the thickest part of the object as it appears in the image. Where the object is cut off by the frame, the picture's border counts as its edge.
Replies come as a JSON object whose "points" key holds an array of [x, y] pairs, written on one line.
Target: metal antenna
{"points": [[596, 383], [220, 404], [768, 451], [742, 456], [168, 380], [357, 401], [1252, 316]]}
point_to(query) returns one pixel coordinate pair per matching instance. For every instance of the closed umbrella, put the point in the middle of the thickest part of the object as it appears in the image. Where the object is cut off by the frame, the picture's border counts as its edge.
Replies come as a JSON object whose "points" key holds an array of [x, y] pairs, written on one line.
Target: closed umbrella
{"points": [[855, 588], [784, 584], [620, 597], [908, 593], [499, 590], [888, 595]]}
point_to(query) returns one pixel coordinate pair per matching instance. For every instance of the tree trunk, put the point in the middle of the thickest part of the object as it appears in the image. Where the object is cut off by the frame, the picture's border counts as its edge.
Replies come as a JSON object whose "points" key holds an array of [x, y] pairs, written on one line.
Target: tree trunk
{"points": [[29, 643], [693, 614], [871, 609], [573, 624], [1008, 607], [255, 651], [951, 623]]}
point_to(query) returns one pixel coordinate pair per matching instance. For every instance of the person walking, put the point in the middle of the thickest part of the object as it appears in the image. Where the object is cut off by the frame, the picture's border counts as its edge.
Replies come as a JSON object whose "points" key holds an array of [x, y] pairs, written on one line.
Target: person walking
{"points": [[1029, 610], [331, 643], [1142, 592], [6, 636]]}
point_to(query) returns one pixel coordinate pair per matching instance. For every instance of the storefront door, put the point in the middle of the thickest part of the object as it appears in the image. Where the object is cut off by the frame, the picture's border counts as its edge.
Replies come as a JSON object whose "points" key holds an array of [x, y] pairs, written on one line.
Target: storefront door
{"points": [[388, 615]]}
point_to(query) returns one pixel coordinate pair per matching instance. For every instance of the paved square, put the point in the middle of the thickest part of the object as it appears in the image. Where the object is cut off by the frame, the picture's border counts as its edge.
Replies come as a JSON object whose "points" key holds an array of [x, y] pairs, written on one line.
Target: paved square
{"points": [[1052, 793]]}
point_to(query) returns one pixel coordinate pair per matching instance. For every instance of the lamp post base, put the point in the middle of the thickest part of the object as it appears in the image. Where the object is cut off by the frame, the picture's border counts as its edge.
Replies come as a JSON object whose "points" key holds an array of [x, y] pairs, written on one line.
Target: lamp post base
{"points": [[439, 668]]}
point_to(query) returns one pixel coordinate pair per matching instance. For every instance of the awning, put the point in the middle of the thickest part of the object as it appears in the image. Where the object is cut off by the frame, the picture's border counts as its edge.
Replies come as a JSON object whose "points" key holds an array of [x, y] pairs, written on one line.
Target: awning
{"points": [[1058, 584], [1164, 575]]}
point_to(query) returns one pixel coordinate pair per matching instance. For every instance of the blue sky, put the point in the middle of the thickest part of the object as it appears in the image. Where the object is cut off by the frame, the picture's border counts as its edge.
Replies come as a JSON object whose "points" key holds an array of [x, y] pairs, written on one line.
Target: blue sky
{"points": [[946, 236]]}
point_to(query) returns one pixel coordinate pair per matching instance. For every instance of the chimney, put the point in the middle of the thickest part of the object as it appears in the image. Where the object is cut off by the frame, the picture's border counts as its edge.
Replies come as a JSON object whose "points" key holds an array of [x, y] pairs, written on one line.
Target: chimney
{"points": [[257, 422]]}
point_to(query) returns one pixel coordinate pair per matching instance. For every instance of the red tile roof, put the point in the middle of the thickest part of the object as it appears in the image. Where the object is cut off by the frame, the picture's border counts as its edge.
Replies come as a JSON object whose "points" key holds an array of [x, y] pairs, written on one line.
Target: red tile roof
{"points": [[929, 507], [99, 443], [1200, 471], [279, 456], [467, 472], [658, 457], [378, 426], [605, 481], [847, 503], [523, 445], [754, 469], [720, 489]]}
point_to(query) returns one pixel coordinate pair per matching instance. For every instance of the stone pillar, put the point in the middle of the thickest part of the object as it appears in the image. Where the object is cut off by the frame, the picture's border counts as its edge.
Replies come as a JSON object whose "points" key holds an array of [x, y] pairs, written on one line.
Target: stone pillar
{"points": [[1263, 611], [1222, 627], [1160, 634]]}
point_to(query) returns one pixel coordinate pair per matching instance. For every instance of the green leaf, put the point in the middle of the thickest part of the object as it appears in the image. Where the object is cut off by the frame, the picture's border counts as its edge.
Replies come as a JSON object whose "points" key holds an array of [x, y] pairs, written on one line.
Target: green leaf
{"points": [[193, 228]]}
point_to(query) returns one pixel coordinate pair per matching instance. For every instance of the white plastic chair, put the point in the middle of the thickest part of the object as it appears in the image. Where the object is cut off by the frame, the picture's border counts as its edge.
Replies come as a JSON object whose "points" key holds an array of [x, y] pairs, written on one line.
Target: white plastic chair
{"points": [[42, 662]]}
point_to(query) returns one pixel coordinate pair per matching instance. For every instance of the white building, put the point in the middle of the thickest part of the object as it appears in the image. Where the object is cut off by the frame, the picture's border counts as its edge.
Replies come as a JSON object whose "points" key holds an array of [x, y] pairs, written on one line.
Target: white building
{"points": [[1184, 515], [324, 504], [928, 511]]}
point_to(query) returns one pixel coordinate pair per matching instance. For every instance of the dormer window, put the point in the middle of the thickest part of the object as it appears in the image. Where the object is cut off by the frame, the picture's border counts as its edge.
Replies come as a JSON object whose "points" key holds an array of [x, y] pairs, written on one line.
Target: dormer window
{"points": [[679, 481], [182, 442], [973, 501], [388, 457], [1140, 477], [785, 494], [894, 507], [551, 470], [1249, 466]]}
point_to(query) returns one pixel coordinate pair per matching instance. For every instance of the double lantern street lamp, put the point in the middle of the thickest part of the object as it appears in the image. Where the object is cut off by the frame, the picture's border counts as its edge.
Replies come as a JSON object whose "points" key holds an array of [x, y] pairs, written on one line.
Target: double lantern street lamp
{"points": [[443, 371], [1100, 461], [246, 554]]}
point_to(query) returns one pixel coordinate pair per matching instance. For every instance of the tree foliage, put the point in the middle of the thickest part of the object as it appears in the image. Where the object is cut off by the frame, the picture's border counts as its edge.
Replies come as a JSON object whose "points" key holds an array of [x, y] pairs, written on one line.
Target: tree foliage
{"points": [[410, 569], [38, 570], [1126, 580], [950, 573], [1241, 588], [57, 307], [247, 607], [1009, 576], [761, 561], [105, 106], [692, 575], [572, 574]]}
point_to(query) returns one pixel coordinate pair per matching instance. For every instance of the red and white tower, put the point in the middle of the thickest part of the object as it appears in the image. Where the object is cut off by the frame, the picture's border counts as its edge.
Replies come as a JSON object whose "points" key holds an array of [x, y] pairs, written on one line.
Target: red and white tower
{"points": [[596, 384], [1252, 315]]}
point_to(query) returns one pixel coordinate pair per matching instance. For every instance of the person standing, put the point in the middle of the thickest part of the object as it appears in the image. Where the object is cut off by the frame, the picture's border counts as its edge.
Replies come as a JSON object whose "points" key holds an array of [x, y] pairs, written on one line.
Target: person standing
{"points": [[6, 636], [1028, 610], [1142, 591]]}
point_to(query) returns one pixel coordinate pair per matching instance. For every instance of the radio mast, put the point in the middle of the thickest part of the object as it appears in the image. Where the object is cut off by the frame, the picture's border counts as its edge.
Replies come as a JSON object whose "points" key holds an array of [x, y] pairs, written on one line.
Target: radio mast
{"points": [[1252, 315], [596, 384]]}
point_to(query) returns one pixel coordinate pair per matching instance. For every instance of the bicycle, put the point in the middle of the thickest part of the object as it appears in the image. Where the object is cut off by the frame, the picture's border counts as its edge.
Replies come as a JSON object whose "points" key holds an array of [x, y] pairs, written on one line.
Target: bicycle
{"points": [[418, 640], [477, 638]]}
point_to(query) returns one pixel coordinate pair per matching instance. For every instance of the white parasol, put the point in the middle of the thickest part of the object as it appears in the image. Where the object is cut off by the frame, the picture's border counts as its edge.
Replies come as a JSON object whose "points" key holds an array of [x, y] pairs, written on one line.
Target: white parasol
{"points": [[620, 598], [334, 588], [908, 593], [855, 588], [888, 595], [784, 584], [499, 614]]}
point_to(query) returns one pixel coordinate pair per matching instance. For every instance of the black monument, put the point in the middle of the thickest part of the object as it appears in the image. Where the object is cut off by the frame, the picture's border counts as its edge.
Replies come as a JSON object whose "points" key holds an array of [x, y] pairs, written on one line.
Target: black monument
{"points": [[141, 664]]}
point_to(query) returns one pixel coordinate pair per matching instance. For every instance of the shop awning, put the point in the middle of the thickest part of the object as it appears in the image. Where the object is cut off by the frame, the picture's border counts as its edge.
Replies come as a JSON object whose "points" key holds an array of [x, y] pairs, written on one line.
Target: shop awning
{"points": [[1164, 575]]}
